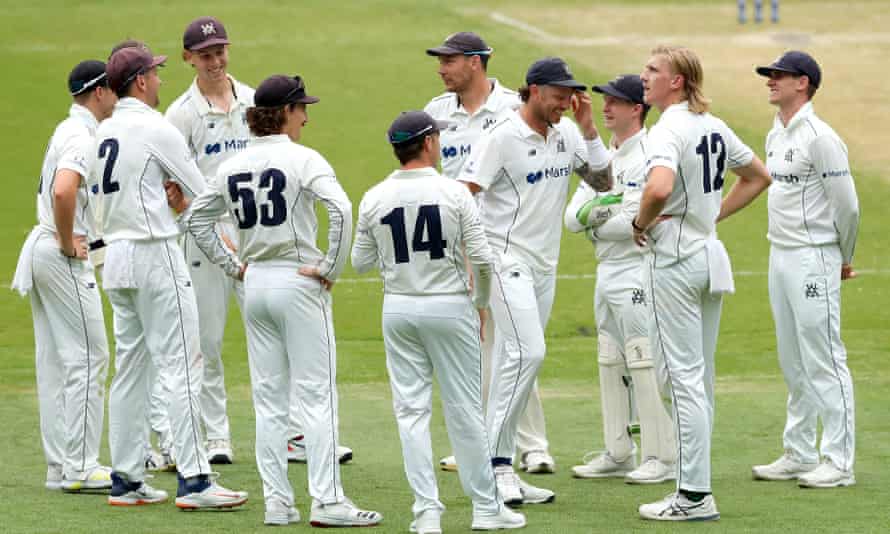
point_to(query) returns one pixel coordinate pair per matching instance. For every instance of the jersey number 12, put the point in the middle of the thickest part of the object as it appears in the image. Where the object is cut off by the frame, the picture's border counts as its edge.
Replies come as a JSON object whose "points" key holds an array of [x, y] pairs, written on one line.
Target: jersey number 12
{"points": [[428, 219], [706, 152]]}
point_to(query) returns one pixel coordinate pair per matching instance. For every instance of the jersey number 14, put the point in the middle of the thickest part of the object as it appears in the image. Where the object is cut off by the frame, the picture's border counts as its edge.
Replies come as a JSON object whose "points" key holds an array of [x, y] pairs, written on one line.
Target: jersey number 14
{"points": [[428, 219]]}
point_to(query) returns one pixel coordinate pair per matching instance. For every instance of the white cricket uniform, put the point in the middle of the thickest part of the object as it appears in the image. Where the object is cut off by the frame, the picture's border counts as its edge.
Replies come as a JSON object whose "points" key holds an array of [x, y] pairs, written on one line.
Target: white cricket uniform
{"points": [[686, 272], [270, 190], [813, 225], [457, 142], [524, 179], [430, 324], [148, 284], [213, 136], [69, 327], [622, 313]]}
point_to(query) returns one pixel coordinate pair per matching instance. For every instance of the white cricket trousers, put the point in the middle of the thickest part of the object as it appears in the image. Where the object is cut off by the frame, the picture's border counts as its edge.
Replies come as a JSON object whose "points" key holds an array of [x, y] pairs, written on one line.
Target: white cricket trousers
{"points": [[72, 357], [155, 318], [805, 295], [686, 321], [438, 335], [290, 333], [522, 299], [623, 312]]}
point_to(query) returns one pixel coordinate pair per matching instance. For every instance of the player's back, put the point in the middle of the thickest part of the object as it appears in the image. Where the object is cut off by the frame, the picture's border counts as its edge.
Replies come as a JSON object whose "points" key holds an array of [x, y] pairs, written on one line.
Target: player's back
{"points": [[699, 148], [268, 188], [417, 219]]}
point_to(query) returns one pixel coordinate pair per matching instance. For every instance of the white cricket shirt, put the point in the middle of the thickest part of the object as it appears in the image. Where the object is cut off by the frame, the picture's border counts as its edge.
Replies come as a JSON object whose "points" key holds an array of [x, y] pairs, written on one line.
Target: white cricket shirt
{"points": [[614, 238], [137, 151], [457, 141], [69, 148], [212, 134], [525, 181], [270, 190], [413, 226], [699, 148], [812, 200]]}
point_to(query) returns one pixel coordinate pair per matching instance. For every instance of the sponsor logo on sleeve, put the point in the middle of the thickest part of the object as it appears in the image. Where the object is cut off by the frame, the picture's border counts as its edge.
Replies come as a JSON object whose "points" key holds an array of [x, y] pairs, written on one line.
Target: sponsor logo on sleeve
{"points": [[836, 174]]}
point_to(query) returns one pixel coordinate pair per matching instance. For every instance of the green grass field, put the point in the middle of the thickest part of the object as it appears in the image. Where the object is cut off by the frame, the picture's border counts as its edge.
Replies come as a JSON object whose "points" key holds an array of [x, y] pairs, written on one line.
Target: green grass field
{"points": [[365, 60]]}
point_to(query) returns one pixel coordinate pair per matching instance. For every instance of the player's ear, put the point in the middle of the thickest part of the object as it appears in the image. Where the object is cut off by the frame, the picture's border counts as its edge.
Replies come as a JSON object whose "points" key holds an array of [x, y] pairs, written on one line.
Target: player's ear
{"points": [[186, 56]]}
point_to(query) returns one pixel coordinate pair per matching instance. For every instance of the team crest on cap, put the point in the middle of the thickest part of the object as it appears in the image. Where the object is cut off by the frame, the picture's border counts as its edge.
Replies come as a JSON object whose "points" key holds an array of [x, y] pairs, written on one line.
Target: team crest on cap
{"points": [[208, 28]]}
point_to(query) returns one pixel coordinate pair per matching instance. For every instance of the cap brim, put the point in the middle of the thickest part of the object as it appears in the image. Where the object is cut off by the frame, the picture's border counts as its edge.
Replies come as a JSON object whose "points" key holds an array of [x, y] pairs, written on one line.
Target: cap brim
{"points": [[765, 71], [158, 60], [444, 51], [573, 84], [443, 125], [208, 43], [308, 100], [611, 91]]}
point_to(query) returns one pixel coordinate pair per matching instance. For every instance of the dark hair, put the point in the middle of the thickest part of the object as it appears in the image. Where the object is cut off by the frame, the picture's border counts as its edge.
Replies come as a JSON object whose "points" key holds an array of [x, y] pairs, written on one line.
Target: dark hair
{"points": [[410, 150], [266, 121], [483, 58], [524, 93], [643, 115], [811, 89], [124, 90]]}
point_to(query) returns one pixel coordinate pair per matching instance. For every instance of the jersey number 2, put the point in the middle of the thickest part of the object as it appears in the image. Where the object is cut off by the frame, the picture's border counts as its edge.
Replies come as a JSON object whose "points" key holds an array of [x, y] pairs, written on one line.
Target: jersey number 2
{"points": [[428, 219], [705, 152], [272, 212], [109, 149]]}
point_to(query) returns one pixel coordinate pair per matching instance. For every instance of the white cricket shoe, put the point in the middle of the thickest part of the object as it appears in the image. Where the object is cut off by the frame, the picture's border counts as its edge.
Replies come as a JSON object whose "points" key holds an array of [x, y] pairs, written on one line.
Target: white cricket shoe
{"points": [[278, 513], [676, 507], [448, 463], [604, 466], [508, 485], [219, 451], [296, 451], [827, 475], [207, 494], [785, 468], [97, 478], [653, 471], [53, 477], [154, 461], [535, 495], [537, 462], [504, 519], [342, 514], [428, 522], [126, 493]]}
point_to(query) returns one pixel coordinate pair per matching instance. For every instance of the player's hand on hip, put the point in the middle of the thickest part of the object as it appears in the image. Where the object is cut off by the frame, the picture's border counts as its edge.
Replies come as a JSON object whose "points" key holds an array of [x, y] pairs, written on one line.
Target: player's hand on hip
{"points": [[847, 272], [175, 198], [78, 248], [313, 272], [241, 272], [483, 318]]}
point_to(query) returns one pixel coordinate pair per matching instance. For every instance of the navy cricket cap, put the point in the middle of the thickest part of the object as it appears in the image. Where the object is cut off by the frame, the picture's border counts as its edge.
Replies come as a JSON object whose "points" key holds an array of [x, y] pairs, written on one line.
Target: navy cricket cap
{"points": [[204, 32], [626, 87], [797, 63], [461, 43], [280, 90], [129, 62], [552, 71], [411, 125], [86, 76]]}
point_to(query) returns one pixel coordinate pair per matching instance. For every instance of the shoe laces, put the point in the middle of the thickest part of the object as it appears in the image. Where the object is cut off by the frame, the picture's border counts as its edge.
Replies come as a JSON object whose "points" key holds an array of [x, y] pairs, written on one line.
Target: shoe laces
{"points": [[593, 455]]}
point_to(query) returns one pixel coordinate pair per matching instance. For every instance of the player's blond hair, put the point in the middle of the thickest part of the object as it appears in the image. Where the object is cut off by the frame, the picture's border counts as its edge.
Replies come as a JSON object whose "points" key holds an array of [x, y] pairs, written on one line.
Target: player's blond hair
{"points": [[685, 62]]}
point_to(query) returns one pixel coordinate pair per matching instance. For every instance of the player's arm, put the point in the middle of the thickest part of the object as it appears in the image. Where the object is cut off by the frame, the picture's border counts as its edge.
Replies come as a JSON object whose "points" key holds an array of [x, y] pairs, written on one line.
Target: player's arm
{"points": [[591, 154], [364, 249], [752, 173], [478, 251], [328, 191], [199, 219], [830, 162], [65, 186], [573, 218], [618, 228], [659, 186], [172, 151], [484, 167]]}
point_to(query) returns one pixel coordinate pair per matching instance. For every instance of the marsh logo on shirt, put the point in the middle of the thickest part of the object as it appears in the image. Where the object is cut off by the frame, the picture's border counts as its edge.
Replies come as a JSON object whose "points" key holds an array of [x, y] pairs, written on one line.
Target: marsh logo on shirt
{"points": [[453, 151], [836, 174], [225, 146], [551, 172], [212, 148]]}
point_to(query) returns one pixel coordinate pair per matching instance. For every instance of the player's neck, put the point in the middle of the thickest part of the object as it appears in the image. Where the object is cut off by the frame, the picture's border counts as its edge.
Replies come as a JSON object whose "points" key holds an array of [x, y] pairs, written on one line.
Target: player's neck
{"points": [[414, 164], [538, 125], [619, 136], [218, 93], [475, 96], [671, 99], [789, 110]]}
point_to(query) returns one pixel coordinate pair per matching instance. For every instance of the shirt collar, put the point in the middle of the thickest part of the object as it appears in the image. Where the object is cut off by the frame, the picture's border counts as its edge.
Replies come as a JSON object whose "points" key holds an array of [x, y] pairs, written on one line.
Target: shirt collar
{"points": [[84, 115], [630, 143], [423, 172], [526, 132], [203, 105], [679, 106], [490, 104], [802, 114], [270, 139], [134, 104]]}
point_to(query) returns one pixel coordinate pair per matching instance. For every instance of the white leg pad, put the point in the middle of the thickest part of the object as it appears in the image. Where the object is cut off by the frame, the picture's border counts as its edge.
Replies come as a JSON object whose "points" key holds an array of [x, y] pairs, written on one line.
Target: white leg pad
{"points": [[614, 399], [657, 438]]}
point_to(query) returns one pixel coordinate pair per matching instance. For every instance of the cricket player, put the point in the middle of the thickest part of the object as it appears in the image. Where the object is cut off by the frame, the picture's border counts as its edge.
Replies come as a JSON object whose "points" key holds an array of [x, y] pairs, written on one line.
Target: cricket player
{"points": [[620, 302], [813, 224], [522, 170], [53, 268], [431, 325], [689, 150], [148, 285], [472, 104], [270, 189]]}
